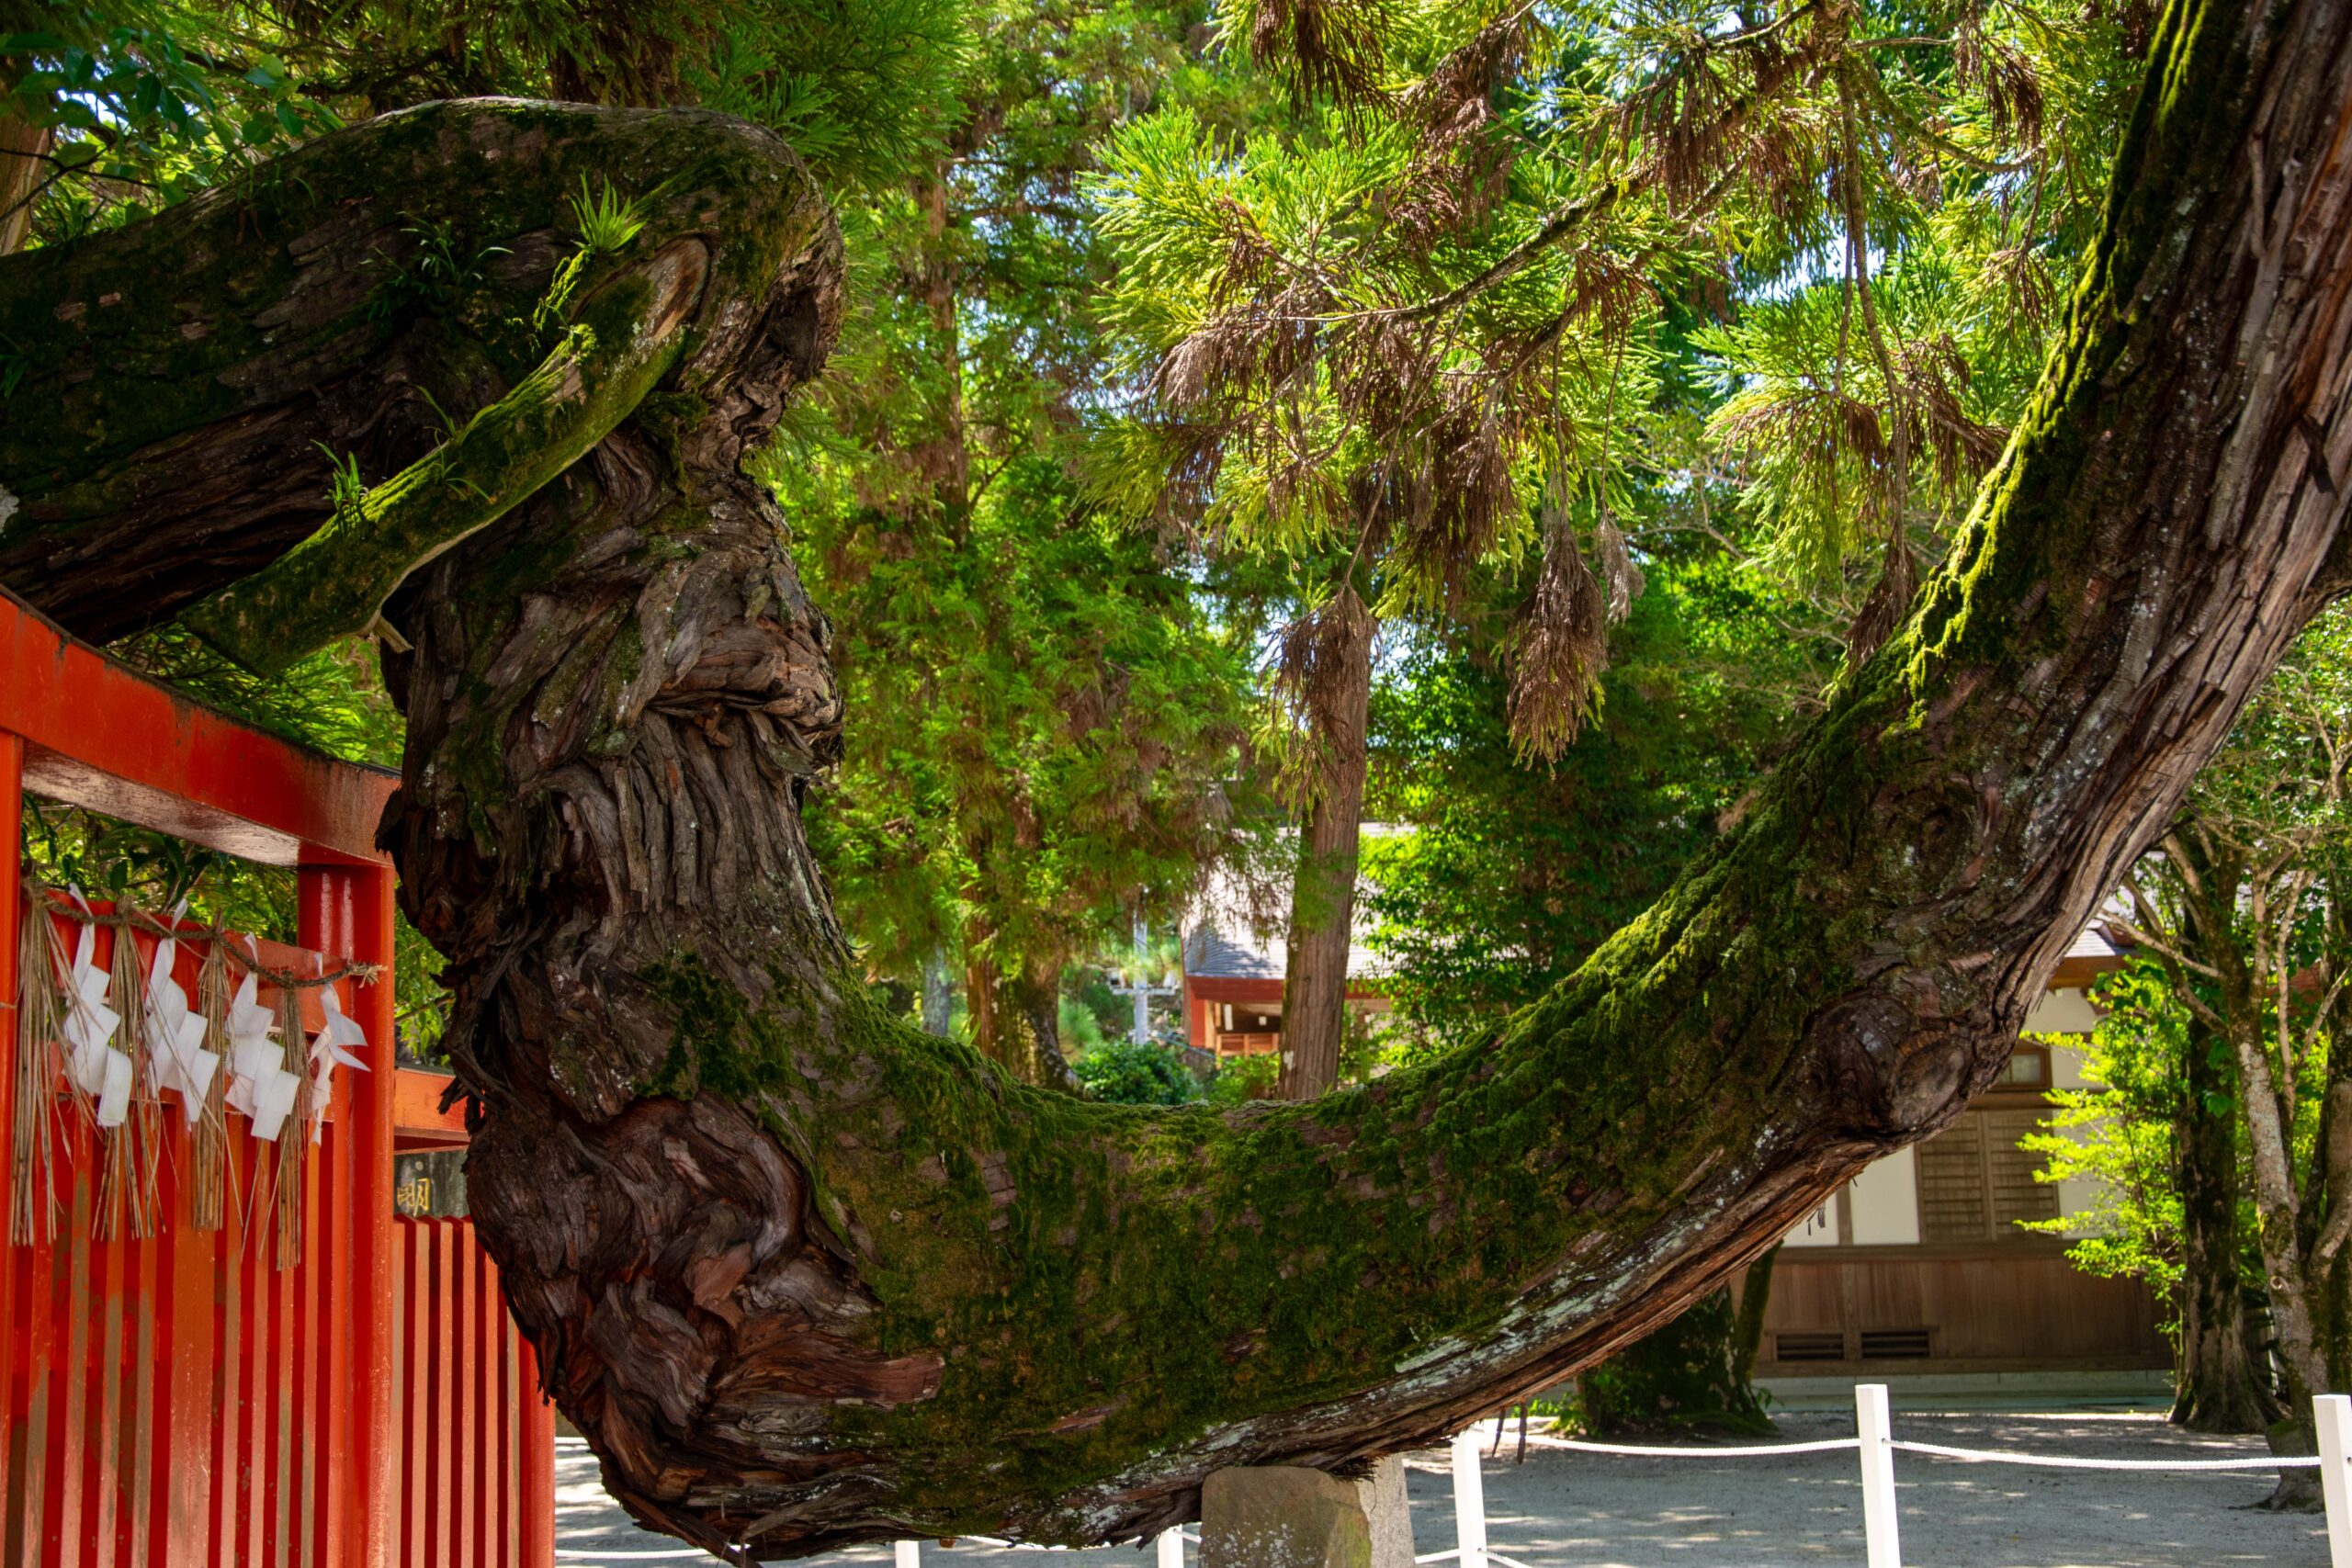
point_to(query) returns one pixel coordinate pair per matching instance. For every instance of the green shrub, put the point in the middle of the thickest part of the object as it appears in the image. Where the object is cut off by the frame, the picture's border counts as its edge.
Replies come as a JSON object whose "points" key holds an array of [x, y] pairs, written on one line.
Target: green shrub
{"points": [[1245, 1078], [1129, 1073]]}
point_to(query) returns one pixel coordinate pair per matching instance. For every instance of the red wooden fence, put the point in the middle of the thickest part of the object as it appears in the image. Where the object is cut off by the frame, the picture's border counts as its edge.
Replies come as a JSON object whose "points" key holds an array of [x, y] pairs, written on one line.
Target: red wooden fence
{"points": [[477, 1443], [180, 1399]]}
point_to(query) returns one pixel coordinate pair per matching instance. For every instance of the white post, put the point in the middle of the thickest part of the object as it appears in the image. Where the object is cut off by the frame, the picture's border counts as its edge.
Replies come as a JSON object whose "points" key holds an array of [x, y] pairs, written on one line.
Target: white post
{"points": [[1172, 1547], [1877, 1433], [1469, 1500], [909, 1554], [1142, 982], [2332, 1413]]}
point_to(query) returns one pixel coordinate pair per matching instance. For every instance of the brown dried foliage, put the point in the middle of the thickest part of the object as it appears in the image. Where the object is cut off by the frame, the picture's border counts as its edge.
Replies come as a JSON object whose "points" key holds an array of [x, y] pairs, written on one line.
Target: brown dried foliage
{"points": [[1898, 580], [2000, 70], [1462, 162], [1700, 118], [1620, 573], [1559, 647], [1329, 47]]}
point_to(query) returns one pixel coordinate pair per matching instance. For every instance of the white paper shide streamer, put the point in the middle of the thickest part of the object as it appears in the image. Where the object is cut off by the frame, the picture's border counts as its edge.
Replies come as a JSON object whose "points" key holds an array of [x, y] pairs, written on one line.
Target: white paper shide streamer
{"points": [[98, 1069], [176, 1055], [331, 1047], [259, 1086]]}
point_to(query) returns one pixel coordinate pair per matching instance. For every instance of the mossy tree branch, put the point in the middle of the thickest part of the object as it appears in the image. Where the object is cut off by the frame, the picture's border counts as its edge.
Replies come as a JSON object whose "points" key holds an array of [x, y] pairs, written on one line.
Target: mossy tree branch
{"points": [[626, 337], [806, 1278]]}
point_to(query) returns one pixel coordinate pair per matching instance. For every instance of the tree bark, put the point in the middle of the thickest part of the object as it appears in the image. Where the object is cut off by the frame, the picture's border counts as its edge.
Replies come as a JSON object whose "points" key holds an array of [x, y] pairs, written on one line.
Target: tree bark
{"points": [[1016, 1020], [1323, 887], [2216, 1389], [22, 169], [806, 1277]]}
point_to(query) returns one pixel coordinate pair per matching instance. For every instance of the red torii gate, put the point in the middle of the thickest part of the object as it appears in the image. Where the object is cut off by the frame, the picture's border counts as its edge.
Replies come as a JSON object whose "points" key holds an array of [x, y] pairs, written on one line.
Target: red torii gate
{"points": [[179, 1399]]}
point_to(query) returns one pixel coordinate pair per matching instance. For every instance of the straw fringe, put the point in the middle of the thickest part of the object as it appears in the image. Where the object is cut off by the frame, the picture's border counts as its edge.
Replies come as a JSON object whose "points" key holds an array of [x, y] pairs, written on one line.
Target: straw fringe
{"points": [[294, 1133], [126, 1159], [208, 1170], [32, 1177]]}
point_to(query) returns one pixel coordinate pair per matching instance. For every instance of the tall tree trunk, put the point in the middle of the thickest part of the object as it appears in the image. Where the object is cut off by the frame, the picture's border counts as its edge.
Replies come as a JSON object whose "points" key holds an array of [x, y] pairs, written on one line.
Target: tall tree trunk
{"points": [[22, 169], [1016, 1020], [1323, 886], [2217, 1389], [1748, 1329], [2297, 1315], [1036, 995], [938, 1002], [805, 1276], [2215, 879]]}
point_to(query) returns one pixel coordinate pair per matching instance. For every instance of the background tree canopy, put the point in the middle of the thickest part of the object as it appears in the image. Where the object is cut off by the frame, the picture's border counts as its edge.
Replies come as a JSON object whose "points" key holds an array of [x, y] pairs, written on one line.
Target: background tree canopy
{"points": [[1701, 281]]}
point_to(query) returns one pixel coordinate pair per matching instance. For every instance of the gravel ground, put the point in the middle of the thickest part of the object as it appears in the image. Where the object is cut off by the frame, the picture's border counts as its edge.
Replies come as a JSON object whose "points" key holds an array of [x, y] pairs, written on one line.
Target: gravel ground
{"points": [[1562, 1509]]}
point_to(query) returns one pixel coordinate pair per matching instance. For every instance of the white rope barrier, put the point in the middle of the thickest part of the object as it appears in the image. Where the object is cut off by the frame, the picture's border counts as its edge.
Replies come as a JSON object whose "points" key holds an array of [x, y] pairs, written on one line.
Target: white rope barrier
{"points": [[1635, 1451], [2067, 1461]]}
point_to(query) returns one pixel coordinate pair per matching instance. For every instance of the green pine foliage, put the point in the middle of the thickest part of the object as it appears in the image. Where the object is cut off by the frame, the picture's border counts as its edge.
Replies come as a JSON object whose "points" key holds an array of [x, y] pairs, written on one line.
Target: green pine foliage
{"points": [[1512, 873], [1047, 708]]}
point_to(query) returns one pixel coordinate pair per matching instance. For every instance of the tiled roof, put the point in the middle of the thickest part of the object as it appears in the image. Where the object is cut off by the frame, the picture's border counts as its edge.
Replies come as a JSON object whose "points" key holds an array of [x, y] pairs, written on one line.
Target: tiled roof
{"points": [[1222, 940], [1211, 952], [2093, 942]]}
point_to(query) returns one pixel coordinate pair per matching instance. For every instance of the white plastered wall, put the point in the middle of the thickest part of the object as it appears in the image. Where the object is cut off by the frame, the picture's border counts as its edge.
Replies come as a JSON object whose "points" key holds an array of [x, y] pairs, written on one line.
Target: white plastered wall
{"points": [[2067, 1011], [1885, 1199]]}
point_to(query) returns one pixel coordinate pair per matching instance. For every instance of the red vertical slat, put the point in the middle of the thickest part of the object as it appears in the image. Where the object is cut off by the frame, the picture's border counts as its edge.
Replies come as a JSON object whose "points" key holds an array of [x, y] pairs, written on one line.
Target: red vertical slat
{"points": [[315, 923], [224, 1507], [247, 1530], [442, 1438], [339, 1304], [536, 1498], [286, 1325], [308, 1344], [483, 1332], [68, 1308], [470, 1487], [142, 1333], [101, 1479], [28, 1396], [11, 1336], [416, 1381]]}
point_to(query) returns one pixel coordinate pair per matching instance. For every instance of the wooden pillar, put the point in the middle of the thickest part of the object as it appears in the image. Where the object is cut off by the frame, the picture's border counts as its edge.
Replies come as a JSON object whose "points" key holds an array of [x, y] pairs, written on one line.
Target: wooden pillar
{"points": [[345, 912]]}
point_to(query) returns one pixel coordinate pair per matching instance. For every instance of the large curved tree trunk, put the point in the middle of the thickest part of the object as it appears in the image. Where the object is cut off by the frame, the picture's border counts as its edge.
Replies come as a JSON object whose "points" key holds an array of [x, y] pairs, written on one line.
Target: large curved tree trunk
{"points": [[804, 1276], [2216, 1388]]}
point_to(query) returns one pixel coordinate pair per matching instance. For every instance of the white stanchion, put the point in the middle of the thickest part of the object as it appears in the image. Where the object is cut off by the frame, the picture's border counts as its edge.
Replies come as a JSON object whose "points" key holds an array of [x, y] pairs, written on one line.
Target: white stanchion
{"points": [[2331, 1413], [1877, 1434], [908, 1553], [1469, 1501], [1171, 1548]]}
